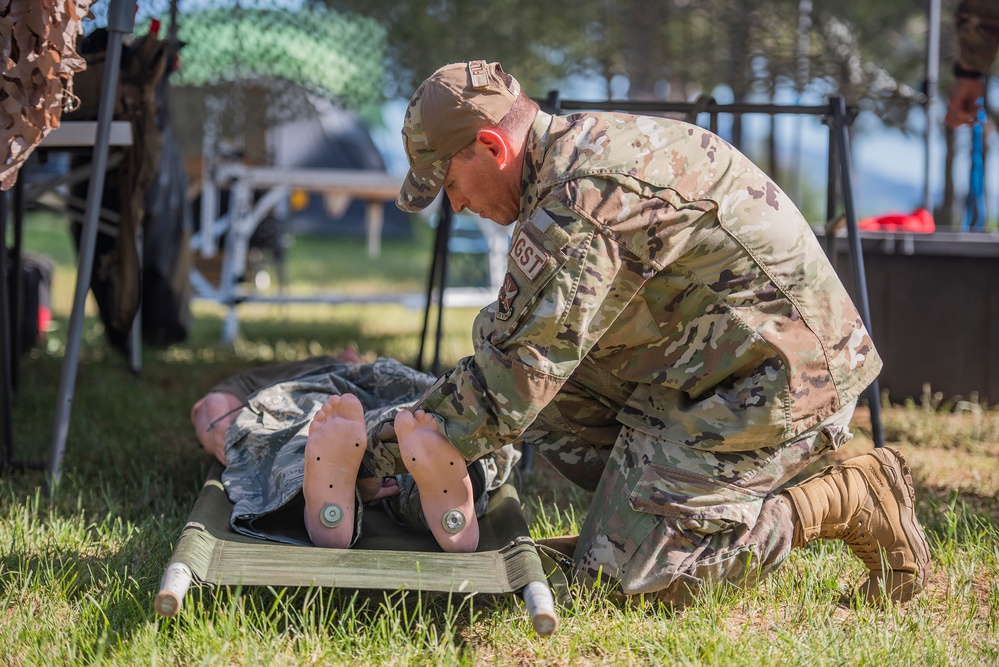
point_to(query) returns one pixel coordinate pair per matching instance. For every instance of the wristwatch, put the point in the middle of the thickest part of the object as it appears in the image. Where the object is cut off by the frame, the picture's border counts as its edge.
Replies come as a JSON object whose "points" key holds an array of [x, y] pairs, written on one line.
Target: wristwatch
{"points": [[961, 73]]}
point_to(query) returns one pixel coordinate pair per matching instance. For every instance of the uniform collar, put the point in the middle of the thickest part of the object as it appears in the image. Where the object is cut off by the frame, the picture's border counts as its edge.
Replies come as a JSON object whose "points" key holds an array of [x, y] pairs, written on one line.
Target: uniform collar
{"points": [[534, 155]]}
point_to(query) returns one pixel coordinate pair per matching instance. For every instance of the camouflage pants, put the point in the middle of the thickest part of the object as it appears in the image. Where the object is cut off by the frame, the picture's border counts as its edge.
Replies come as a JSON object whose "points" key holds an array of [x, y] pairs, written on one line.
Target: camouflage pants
{"points": [[667, 518]]}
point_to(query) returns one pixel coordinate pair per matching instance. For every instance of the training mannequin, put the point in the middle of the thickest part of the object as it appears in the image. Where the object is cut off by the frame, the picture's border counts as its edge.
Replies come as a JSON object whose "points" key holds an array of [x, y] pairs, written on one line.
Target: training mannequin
{"points": [[326, 436]]}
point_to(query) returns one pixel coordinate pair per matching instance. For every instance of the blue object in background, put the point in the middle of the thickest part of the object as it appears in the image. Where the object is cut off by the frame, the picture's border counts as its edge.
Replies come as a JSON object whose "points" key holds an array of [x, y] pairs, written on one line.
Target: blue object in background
{"points": [[974, 212]]}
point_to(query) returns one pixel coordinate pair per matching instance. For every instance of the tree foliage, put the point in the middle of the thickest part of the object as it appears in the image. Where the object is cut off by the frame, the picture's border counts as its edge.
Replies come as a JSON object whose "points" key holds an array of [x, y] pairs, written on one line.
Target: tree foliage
{"points": [[527, 37], [873, 53], [278, 45]]}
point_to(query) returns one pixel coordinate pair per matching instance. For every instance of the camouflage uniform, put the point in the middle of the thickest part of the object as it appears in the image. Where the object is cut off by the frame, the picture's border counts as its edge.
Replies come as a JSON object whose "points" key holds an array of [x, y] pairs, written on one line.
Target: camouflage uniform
{"points": [[265, 443], [977, 24], [670, 335]]}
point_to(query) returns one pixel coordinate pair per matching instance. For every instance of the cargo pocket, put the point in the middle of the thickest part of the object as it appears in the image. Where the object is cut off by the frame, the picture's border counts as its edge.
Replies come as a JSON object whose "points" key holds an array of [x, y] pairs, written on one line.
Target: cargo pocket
{"points": [[694, 502], [697, 539]]}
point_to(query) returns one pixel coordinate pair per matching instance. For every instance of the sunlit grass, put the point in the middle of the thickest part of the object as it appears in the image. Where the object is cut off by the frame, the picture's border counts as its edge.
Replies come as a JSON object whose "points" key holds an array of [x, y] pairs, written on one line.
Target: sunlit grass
{"points": [[79, 570]]}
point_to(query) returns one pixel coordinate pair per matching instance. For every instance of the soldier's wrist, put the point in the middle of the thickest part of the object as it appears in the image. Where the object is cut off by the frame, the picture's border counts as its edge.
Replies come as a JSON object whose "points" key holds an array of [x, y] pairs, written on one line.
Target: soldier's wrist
{"points": [[962, 72]]}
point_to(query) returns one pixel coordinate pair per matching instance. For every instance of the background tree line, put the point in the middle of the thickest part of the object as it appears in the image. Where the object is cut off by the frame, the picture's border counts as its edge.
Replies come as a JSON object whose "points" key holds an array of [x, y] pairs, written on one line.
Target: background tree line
{"points": [[872, 53]]}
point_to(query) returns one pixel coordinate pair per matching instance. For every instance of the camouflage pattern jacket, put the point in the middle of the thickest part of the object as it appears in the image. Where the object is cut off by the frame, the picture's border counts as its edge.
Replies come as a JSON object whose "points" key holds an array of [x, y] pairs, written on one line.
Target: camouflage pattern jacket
{"points": [[977, 24], [672, 281]]}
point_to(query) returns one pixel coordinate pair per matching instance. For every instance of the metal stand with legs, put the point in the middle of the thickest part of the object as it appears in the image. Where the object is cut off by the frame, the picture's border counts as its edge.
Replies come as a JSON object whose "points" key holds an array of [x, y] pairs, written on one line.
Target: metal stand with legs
{"points": [[435, 287], [9, 349], [11, 208], [839, 148], [120, 22]]}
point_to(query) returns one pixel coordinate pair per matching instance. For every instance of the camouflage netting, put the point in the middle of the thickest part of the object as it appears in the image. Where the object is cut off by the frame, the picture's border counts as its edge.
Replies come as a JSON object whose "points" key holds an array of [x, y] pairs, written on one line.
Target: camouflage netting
{"points": [[335, 55], [36, 78]]}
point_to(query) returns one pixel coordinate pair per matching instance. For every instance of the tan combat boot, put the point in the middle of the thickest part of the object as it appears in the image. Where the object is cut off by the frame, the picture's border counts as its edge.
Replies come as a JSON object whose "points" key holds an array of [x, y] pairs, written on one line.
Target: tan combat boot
{"points": [[565, 545], [868, 502]]}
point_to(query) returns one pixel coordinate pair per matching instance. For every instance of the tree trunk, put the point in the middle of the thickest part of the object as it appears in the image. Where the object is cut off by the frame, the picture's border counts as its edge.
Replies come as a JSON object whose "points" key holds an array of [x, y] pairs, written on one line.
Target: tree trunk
{"points": [[945, 216], [643, 49], [739, 28]]}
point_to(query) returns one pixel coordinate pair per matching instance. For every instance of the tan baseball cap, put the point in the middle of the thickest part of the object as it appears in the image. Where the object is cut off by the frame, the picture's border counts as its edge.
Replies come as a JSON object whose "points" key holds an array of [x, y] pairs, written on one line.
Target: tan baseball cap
{"points": [[444, 115]]}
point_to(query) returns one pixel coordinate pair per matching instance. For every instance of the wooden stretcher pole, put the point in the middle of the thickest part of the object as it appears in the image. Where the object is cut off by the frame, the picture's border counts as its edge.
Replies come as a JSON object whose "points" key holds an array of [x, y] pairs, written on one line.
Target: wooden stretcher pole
{"points": [[541, 606], [173, 588]]}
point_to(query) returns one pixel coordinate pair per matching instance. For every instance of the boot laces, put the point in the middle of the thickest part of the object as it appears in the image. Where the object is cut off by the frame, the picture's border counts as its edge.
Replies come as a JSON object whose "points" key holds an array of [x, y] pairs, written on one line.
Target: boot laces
{"points": [[858, 536]]}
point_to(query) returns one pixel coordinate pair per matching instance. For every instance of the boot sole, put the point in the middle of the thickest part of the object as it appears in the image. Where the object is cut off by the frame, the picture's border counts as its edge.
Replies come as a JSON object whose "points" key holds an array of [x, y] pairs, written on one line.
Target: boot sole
{"points": [[905, 496]]}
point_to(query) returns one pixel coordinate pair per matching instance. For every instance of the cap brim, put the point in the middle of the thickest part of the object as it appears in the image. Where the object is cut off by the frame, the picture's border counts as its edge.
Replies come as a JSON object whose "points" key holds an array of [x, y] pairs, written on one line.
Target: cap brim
{"points": [[421, 187]]}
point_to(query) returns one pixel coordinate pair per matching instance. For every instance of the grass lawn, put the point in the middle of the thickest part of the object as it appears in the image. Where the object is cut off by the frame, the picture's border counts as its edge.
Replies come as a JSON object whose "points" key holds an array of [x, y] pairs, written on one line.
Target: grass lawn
{"points": [[79, 569]]}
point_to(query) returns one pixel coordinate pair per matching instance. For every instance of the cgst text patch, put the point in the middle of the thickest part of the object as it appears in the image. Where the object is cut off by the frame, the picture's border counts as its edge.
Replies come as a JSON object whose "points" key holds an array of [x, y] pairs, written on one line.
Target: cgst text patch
{"points": [[527, 255]]}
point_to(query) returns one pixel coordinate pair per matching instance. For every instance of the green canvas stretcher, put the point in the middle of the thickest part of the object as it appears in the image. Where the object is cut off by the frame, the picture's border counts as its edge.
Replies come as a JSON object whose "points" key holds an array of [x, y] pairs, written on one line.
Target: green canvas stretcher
{"points": [[209, 551]]}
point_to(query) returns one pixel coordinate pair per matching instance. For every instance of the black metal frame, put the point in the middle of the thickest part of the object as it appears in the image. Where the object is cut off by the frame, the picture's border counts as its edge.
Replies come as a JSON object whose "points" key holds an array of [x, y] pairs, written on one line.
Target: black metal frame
{"points": [[121, 15], [436, 280], [11, 208], [836, 115]]}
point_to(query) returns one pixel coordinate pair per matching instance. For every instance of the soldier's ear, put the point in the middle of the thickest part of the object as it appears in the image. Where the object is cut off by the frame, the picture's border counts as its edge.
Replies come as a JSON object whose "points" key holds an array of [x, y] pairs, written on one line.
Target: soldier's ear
{"points": [[496, 144]]}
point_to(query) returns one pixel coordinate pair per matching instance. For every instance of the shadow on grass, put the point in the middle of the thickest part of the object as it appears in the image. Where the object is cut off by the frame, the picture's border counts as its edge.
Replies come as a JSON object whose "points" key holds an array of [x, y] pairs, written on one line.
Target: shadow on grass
{"points": [[108, 590], [350, 618]]}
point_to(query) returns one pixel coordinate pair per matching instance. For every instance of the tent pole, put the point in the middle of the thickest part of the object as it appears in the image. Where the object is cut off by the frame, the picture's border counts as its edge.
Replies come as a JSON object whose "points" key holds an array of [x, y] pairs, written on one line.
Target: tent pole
{"points": [[932, 79], [446, 221], [6, 351], [434, 279], [121, 15], [840, 132]]}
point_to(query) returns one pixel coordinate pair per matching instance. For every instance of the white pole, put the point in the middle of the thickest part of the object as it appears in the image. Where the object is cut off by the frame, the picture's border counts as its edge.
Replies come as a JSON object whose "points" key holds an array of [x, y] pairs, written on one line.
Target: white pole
{"points": [[173, 587], [541, 607], [932, 78]]}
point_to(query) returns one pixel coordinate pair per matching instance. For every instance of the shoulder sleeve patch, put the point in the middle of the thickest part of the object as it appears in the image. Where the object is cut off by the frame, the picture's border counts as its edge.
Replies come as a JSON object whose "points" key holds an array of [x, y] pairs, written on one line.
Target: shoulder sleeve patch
{"points": [[527, 254]]}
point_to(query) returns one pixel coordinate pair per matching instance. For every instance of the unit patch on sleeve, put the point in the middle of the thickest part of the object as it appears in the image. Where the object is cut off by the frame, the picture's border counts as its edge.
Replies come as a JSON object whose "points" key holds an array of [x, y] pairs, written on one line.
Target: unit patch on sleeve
{"points": [[508, 292], [527, 254]]}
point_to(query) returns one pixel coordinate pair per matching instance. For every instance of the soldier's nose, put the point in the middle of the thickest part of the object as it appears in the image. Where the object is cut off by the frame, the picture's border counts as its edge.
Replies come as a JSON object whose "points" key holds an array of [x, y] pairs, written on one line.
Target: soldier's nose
{"points": [[459, 204]]}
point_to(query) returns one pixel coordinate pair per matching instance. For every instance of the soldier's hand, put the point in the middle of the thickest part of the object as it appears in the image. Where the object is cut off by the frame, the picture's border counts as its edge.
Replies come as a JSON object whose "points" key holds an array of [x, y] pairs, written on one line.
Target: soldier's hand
{"points": [[962, 106], [374, 489]]}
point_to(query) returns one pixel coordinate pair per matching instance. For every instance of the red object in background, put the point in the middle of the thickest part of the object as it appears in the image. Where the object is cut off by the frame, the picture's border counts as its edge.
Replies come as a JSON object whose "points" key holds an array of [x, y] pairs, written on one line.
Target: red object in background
{"points": [[44, 319], [154, 27], [919, 221]]}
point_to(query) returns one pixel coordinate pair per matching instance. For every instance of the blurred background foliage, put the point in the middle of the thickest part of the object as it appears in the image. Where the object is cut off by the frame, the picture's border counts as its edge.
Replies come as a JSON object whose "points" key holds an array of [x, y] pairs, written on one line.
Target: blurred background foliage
{"points": [[871, 52], [330, 53], [270, 61], [360, 51]]}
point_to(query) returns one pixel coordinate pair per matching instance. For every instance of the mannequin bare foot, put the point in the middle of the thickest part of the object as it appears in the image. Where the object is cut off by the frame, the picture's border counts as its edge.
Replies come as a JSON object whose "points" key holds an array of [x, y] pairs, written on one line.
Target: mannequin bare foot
{"points": [[441, 475], [350, 356], [211, 416], [333, 452]]}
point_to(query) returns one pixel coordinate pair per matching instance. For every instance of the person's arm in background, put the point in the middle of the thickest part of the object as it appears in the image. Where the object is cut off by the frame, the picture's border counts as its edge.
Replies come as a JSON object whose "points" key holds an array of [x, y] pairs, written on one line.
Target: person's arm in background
{"points": [[977, 25]]}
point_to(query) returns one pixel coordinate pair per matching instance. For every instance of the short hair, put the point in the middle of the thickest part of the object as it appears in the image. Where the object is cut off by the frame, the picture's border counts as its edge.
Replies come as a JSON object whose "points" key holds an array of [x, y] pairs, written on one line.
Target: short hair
{"points": [[520, 116], [517, 120]]}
